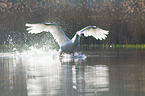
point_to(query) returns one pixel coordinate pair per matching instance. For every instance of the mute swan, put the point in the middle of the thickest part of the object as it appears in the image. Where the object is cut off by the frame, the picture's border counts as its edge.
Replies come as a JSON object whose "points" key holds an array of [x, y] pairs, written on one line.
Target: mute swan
{"points": [[67, 45]]}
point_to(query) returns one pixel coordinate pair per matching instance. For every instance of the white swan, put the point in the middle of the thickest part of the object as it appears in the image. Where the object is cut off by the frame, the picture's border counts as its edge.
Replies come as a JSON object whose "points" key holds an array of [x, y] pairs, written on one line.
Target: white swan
{"points": [[67, 45]]}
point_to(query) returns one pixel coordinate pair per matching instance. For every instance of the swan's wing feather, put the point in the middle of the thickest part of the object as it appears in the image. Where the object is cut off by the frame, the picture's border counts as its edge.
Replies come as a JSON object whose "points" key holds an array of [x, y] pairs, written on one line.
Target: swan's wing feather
{"points": [[54, 29], [94, 31]]}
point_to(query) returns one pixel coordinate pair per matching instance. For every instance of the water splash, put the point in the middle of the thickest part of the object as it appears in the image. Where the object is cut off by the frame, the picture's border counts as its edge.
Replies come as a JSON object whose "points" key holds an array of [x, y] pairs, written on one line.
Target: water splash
{"points": [[34, 52], [52, 54], [37, 49], [76, 58], [39, 52]]}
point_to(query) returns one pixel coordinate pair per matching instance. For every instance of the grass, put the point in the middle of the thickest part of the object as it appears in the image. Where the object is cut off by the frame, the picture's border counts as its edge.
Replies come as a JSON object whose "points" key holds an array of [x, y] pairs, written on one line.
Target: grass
{"points": [[128, 46], [10, 47], [116, 46]]}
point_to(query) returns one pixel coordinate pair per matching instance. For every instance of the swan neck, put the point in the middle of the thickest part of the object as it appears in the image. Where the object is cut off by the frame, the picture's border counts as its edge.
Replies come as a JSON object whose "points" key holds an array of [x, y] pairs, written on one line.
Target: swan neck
{"points": [[75, 38]]}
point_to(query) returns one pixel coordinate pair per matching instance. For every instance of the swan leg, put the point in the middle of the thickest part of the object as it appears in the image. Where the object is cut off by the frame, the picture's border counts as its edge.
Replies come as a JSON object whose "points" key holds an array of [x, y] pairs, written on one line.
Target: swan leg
{"points": [[60, 53], [73, 54]]}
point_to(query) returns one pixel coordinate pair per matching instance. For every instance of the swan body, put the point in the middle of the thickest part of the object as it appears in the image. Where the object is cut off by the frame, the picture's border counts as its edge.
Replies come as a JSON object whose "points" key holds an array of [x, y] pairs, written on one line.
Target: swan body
{"points": [[67, 45]]}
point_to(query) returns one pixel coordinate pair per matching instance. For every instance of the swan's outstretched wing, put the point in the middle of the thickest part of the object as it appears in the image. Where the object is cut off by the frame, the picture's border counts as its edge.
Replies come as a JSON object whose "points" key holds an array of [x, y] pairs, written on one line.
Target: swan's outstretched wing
{"points": [[54, 29], [94, 31]]}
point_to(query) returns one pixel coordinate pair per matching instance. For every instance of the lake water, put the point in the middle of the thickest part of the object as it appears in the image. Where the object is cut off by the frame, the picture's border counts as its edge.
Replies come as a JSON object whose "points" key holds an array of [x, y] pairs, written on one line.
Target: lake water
{"points": [[96, 73]]}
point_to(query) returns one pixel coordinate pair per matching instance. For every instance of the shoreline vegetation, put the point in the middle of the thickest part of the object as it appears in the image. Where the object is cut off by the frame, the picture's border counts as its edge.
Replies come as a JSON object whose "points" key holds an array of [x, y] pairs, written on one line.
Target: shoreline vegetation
{"points": [[19, 48], [115, 46], [125, 19]]}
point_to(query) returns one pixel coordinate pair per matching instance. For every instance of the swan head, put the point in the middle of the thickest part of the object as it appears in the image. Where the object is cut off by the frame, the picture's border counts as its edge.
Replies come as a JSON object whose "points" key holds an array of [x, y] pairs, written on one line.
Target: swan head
{"points": [[79, 33]]}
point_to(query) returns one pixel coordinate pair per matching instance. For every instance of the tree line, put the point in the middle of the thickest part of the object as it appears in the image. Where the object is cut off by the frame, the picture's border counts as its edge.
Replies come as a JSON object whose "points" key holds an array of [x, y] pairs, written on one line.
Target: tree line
{"points": [[125, 20]]}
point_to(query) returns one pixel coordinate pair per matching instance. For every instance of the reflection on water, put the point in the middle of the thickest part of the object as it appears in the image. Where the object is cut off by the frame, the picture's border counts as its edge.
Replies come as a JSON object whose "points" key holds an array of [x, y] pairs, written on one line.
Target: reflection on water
{"points": [[116, 73]]}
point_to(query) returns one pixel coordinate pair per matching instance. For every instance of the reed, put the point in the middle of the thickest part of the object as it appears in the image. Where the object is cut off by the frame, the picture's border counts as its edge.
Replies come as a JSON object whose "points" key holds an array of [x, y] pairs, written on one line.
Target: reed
{"points": [[117, 16], [115, 46], [12, 48], [124, 46]]}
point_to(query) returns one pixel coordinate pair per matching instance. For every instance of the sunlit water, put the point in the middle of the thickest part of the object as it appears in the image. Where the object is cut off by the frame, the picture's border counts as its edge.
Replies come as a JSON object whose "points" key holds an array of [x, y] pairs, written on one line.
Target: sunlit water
{"points": [[95, 73]]}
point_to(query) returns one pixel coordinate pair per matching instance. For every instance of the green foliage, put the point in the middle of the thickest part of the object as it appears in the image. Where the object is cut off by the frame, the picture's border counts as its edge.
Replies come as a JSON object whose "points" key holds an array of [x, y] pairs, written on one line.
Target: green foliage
{"points": [[120, 46]]}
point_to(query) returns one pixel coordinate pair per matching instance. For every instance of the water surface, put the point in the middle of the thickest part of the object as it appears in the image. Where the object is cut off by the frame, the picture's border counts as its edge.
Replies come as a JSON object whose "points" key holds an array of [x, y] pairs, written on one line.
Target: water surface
{"points": [[102, 73]]}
